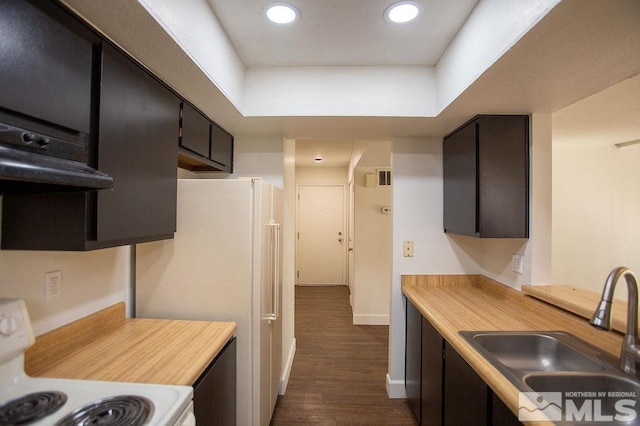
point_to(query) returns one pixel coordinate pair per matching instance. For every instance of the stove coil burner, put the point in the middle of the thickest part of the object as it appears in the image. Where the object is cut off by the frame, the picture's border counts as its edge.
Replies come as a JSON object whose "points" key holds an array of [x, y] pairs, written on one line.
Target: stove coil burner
{"points": [[31, 407], [124, 410]]}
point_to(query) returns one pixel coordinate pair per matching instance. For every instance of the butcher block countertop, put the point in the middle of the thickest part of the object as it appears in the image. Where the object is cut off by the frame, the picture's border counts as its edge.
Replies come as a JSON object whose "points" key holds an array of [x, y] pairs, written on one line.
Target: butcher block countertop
{"points": [[454, 303], [108, 346]]}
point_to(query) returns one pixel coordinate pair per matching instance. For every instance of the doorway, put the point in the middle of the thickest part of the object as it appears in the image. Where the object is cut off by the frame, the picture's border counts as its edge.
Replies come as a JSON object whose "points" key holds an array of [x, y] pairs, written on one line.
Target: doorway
{"points": [[321, 236]]}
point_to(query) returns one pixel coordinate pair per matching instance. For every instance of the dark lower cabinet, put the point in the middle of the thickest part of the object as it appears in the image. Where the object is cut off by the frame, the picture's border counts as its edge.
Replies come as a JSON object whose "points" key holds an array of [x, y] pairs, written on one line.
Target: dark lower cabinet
{"points": [[214, 397], [466, 395], [432, 374], [442, 388], [501, 415], [413, 359]]}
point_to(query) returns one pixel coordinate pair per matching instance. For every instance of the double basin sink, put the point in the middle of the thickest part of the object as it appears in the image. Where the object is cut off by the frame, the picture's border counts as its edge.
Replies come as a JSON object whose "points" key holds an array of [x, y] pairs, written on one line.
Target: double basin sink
{"points": [[561, 363]]}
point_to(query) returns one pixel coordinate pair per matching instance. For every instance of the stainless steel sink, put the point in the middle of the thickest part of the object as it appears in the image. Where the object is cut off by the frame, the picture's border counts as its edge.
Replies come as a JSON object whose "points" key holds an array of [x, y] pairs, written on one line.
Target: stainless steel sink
{"points": [[550, 351], [584, 384], [584, 377], [592, 398]]}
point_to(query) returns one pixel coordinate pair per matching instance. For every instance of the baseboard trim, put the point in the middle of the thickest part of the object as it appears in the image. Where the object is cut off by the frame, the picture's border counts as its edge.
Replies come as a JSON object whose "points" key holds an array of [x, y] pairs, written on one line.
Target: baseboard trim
{"points": [[286, 371], [367, 319], [395, 388], [321, 285]]}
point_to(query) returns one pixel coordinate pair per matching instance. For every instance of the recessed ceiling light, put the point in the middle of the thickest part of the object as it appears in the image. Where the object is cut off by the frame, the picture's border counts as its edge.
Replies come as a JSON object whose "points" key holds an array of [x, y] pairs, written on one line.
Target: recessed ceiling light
{"points": [[318, 159], [282, 13], [402, 12]]}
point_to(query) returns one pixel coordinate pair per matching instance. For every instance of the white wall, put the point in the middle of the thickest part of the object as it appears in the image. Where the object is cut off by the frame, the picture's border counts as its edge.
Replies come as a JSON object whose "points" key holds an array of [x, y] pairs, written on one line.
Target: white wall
{"points": [[596, 206], [254, 156], [321, 175], [407, 91], [288, 262], [417, 216], [372, 251], [196, 29], [90, 281]]}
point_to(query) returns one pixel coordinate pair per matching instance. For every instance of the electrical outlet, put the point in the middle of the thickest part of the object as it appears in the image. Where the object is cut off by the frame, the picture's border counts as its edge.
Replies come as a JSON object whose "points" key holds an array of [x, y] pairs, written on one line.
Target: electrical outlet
{"points": [[517, 264], [407, 248], [52, 286]]}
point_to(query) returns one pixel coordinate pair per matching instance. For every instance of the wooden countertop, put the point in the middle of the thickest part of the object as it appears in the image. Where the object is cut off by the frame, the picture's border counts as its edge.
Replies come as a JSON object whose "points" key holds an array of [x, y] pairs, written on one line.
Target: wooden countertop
{"points": [[454, 303], [108, 346]]}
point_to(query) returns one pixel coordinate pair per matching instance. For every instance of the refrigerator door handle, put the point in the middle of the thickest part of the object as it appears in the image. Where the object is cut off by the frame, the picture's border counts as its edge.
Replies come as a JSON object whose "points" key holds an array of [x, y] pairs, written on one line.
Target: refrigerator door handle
{"points": [[275, 271]]}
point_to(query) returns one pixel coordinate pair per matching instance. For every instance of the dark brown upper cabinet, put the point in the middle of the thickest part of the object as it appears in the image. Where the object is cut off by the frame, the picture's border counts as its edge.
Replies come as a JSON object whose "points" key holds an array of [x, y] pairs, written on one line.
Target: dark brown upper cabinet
{"points": [[137, 146], [135, 142], [46, 64], [486, 177], [221, 148], [60, 74], [195, 133], [204, 146]]}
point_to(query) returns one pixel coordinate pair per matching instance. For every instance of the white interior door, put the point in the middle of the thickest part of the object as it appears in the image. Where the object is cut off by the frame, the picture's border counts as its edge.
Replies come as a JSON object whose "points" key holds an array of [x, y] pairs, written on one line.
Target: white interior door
{"points": [[321, 234]]}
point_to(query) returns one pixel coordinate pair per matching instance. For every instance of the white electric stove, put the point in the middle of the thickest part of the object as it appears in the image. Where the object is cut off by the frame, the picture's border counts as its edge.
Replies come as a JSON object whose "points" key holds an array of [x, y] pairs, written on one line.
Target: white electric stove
{"points": [[26, 400]]}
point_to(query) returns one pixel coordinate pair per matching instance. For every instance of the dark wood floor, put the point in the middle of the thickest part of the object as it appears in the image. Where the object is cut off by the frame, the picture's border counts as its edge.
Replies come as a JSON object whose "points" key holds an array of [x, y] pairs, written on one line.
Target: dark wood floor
{"points": [[338, 375]]}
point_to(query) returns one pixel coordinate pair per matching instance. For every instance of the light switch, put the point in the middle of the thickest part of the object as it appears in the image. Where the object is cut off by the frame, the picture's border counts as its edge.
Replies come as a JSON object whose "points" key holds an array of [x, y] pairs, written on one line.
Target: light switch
{"points": [[407, 248]]}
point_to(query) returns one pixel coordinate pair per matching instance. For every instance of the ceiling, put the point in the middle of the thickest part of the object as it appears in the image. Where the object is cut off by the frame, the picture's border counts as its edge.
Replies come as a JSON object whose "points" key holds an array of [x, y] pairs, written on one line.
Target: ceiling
{"points": [[333, 152], [341, 32], [609, 117], [578, 49]]}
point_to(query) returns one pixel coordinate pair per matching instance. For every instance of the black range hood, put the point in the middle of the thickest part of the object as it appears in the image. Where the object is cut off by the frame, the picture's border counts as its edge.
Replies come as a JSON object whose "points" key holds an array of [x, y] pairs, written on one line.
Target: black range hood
{"points": [[36, 161]]}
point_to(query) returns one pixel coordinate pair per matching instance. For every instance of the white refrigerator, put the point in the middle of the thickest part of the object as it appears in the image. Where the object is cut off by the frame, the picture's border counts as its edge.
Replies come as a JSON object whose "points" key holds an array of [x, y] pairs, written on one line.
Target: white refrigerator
{"points": [[224, 264]]}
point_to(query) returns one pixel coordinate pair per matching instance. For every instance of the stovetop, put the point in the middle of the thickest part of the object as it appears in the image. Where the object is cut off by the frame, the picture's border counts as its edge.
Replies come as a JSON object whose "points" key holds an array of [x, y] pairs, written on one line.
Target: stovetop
{"points": [[86, 401], [168, 402]]}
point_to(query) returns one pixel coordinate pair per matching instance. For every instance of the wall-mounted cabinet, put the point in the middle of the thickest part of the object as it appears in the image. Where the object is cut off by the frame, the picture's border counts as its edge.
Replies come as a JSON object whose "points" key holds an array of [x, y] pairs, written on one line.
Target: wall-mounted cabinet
{"points": [[486, 177], [194, 131], [136, 141], [61, 75], [203, 145], [46, 64], [221, 148]]}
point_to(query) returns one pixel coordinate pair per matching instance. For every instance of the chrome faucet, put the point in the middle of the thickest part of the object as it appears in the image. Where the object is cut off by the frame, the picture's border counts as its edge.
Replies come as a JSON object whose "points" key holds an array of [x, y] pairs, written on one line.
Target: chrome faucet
{"points": [[630, 352]]}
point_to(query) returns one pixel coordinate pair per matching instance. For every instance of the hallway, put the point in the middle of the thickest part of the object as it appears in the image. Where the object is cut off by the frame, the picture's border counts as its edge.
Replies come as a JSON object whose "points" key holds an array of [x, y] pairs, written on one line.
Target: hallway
{"points": [[338, 375]]}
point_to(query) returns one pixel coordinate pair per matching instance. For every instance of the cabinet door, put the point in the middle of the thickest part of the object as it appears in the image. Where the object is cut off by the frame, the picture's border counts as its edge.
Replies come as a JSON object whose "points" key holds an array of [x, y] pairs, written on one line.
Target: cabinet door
{"points": [[45, 70], [459, 173], [222, 148], [194, 130], [503, 183], [466, 396], [432, 384], [137, 146], [413, 359], [500, 413], [214, 396]]}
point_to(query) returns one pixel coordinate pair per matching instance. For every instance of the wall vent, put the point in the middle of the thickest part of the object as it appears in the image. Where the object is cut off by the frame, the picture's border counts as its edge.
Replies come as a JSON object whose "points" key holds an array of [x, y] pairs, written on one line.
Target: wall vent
{"points": [[384, 177]]}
